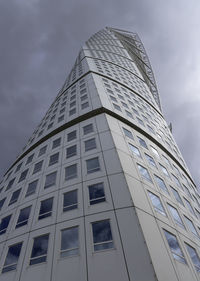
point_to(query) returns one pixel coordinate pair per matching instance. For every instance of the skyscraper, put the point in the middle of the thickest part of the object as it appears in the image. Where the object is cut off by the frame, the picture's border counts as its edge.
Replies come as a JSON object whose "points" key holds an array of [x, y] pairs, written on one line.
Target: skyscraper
{"points": [[101, 191]]}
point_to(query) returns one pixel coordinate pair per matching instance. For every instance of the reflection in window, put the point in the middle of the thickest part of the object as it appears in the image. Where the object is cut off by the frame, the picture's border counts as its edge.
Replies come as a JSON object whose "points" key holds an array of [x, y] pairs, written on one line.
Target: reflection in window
{"points": [[128, 133], [176, 216], [4, 224], [176, 180], [191, 226], [174, 247], [150, 160], [164, 170], [155, 151], [23, 217], [144, 173], [134, 150], [93, 165], [69, 242], [194, 257], [12, 258], [177, 196], [70, 201], [161, 184], [156, 203], [46, 208], [102, 235], [50, 180], [96, 193], [39, 250], [142, 142], [189, 206]]}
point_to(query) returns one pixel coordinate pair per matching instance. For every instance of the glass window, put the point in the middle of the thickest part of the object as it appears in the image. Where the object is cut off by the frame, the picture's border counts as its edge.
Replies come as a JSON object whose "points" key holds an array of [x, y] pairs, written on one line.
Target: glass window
{"points": [[30, 158], [194, 257], [189, 206], [50, 180], [134, 150], [128, 133], [39, 250], [71, 136], [177, 196], [84, 105], [42, 150], [10, 184], [71, 151], [155, 151], [174, 247], [102, 235], [56, 143], [117, 107], [23, 216], [61, 118], [93, 165], [88, 129], [72, 111], [37, 167], [15, 196], [69, 242], [54, 159], [31, 188], [71, 172], [70, 200], [191, 226], [176, 180], [4, 224], [176, 216], [144, 173], [96, 193], [142, 142], [23, 175], [90, 144], [150, 160], [46, 208], [2, 202], [12, 257], [156, 203], [18, 167], [164, 170], [161, 184]]}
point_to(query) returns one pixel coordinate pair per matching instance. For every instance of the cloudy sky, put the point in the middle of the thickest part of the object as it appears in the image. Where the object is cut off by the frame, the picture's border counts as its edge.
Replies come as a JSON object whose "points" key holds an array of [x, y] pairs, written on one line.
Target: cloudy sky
{"points": [[40, 40]]}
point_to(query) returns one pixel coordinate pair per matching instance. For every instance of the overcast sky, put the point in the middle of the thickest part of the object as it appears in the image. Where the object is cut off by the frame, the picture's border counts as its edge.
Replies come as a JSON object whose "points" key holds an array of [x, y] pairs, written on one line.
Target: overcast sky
{"points": [[40, 40]]}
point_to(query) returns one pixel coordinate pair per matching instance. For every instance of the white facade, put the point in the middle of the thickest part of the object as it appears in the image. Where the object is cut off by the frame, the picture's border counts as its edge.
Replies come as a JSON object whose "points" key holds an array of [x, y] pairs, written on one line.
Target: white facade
{"points": [[101, 191]]}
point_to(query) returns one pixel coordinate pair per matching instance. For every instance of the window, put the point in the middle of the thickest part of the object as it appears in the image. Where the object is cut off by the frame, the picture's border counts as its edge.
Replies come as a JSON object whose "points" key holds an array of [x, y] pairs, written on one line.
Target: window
{"points": [[71, 136], [18, 167], [31, 188], [2, 202], [54, 159], [117, 107], [50, 180], [12, 257], [142, 142], [176, 195], [10, 184], [144, 173], [39, 250], [83, 97], [72, 111], [191, 226], [4, 224], [92, 165], [164, 170], [61, 118], [71, 151], [96, 193], [128, 133], [70, 200], [176, 180], [46, 208], [156, 203], [30, 158], [69, 242], [134, 150], [194, 257], [42, 150], [23, 217], [37, 167], [84, 105], [50, 126], [56, 143], [189, 207], [174, 247], [23, 175], [161, 184], [176, 216], [155, 151], [14, 197], [88, 129], [90, 144], [71, 172], [102, 235], [150, 160]]}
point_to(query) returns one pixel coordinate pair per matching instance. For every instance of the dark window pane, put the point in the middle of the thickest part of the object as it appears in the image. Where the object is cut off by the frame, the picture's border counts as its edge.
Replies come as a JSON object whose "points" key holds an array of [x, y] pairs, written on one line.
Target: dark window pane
{"points": [[39, 251], [96, 193], [69, 242], [102, 235], [2, 202], [174, 246], [142, 143], [157, 203], [71, 151], [30, 158], [71, 172], [53, 159], [15, 196], [38, 167], [31, 188], [56, 143], [128, 133], [87, 129], [10, 184], [12, 257], [42, 150], [46, 208], [23, 175], [70, 201], [4, 224], [90, 144], [71, 136], [93, 165], [23, 217], [194, 257], [50, 180]]}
